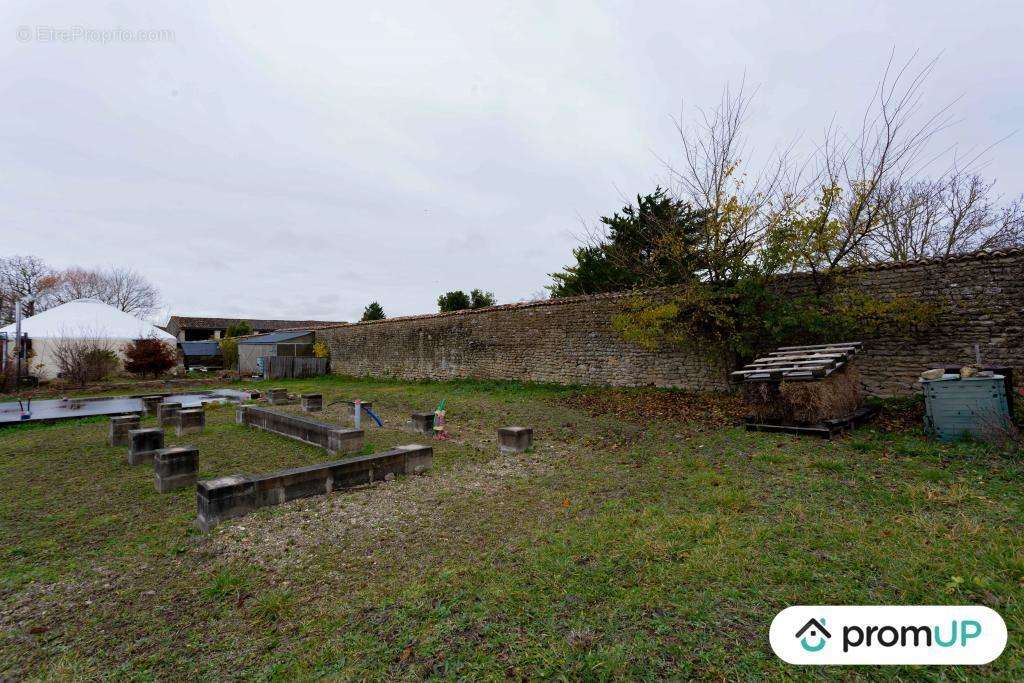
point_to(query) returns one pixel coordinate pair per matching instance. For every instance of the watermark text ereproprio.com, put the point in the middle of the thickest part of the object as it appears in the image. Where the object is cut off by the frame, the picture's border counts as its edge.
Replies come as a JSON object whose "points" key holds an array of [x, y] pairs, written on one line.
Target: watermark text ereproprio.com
{"points": [[90, 34]]}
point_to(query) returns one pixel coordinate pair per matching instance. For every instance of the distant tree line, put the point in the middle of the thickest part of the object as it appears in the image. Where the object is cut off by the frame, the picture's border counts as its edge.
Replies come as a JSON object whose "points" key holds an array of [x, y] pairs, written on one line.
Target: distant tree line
{"points": [[458, 300], [455, 300]]}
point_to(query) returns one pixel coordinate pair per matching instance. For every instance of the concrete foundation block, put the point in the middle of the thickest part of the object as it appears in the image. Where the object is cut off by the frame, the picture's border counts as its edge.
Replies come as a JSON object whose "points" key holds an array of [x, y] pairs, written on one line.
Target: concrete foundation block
{"points": [[277, 396], [167, 414], [236, 495], [150, 404], [143, 444], [190, 421], [312, 403], [515, 439], [423, 423], [120, 425], [175, 467]]}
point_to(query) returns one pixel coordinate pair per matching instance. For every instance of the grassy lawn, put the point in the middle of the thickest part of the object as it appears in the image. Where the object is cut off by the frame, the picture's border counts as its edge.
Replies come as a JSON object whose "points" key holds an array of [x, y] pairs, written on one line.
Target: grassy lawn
{"points": [[631, 543]]}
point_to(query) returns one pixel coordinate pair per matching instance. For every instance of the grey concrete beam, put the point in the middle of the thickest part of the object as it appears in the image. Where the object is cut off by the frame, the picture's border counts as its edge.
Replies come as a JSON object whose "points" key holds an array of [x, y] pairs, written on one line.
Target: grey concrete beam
{"points": [[236, 495], [331, 437]]}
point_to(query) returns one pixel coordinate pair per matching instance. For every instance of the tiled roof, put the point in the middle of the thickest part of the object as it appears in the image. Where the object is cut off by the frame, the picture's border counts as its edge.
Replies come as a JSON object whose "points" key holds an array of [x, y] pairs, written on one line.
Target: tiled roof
{"points": [[181, 322], [970, 256], [274, 337]]}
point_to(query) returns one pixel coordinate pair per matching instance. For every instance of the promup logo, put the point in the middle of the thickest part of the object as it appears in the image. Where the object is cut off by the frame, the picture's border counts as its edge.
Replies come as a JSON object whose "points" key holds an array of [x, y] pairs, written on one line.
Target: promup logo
{"points": [[817, 629], [958, 634]]}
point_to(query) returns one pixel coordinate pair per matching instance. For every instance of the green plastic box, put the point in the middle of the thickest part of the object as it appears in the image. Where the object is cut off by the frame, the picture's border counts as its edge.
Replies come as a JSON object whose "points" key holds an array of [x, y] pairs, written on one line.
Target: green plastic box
{"points": [[955, 407]]}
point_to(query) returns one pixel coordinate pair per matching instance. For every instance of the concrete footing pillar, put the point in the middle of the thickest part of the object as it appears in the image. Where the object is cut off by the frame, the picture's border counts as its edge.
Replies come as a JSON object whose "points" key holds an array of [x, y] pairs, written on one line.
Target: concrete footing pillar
{"points": [[143, 444], [167, 414], [120, 425], [176, 467], [515, 439], [312, 403], [277, 396], [423, 423], [150, 404], [190, 421]]}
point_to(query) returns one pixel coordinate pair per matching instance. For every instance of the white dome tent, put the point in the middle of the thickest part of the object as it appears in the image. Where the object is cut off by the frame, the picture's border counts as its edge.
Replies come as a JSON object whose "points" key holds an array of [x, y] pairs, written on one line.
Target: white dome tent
{"points": [[82, 319]]}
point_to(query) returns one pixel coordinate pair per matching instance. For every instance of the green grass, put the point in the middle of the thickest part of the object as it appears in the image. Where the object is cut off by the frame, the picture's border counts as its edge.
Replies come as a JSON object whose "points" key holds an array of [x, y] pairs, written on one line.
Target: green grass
{"points": [[616, 549]]}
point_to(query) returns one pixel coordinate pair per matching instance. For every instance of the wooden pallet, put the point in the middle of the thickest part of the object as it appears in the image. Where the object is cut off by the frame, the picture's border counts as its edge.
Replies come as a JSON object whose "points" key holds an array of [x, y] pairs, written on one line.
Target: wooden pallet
{"points": [[825, 429], [799, 363]]}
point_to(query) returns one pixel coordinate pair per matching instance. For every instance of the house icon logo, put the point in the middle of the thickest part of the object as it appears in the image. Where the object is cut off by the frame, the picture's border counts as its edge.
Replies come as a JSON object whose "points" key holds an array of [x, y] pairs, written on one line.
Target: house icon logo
{"points": [[817, 633]]}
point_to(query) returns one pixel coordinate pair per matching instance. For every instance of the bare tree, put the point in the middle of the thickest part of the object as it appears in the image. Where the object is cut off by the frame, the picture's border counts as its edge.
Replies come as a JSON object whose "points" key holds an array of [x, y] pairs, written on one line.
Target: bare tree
{"points": [[858, 197], [122, 288], [939, 218], [23, 276], [741, 209], [79, 283], [7, 300], [83, 356], [857, 177], [129, 291]]}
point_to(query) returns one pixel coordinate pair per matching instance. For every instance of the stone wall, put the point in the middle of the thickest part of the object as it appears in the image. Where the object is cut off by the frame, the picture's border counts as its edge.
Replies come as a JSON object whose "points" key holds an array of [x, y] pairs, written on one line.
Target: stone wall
{"points": [[571, 341], [565, 341], [982, 302]]}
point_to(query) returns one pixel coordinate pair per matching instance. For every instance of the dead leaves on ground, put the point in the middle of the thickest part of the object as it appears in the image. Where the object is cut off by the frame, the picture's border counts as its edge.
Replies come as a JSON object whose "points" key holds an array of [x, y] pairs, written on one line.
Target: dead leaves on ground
{"points": [[646, 405]]}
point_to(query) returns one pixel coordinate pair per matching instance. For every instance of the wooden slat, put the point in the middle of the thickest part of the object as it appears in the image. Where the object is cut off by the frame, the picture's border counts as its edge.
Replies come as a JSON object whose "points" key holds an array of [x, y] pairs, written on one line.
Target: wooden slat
{"points": [[809, 354], [831, 362], [799, 363], [802, 377], [819, 347], [825, 353], [778, 371], [789, 354], [756, 374], [826, 428], [824, 362]]}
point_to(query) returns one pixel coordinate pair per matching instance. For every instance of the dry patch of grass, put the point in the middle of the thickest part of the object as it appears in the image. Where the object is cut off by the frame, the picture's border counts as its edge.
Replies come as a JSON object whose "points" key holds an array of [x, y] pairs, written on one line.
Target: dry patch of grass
{"points": [[405, 507]]}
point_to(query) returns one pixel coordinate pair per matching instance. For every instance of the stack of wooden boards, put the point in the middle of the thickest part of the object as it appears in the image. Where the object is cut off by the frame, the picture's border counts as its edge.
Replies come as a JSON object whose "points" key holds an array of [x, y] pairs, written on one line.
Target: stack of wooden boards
{"points": [[799, 363], [805, 390]]}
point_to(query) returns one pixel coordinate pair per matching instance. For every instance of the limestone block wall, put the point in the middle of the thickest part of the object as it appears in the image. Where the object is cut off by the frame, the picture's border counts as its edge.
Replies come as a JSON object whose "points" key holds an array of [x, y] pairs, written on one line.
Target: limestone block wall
{"points": [[982, 302], [565, 341], [571, 341]]}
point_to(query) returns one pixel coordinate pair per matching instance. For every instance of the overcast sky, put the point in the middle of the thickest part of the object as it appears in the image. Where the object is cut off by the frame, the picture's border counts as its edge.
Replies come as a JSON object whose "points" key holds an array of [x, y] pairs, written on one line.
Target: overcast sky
{"points": [[297, 160]]}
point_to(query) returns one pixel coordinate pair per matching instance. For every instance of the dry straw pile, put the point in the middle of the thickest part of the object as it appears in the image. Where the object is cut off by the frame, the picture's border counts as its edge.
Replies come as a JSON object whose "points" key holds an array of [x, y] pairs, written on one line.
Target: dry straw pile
{"points": [[832, 398]]}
